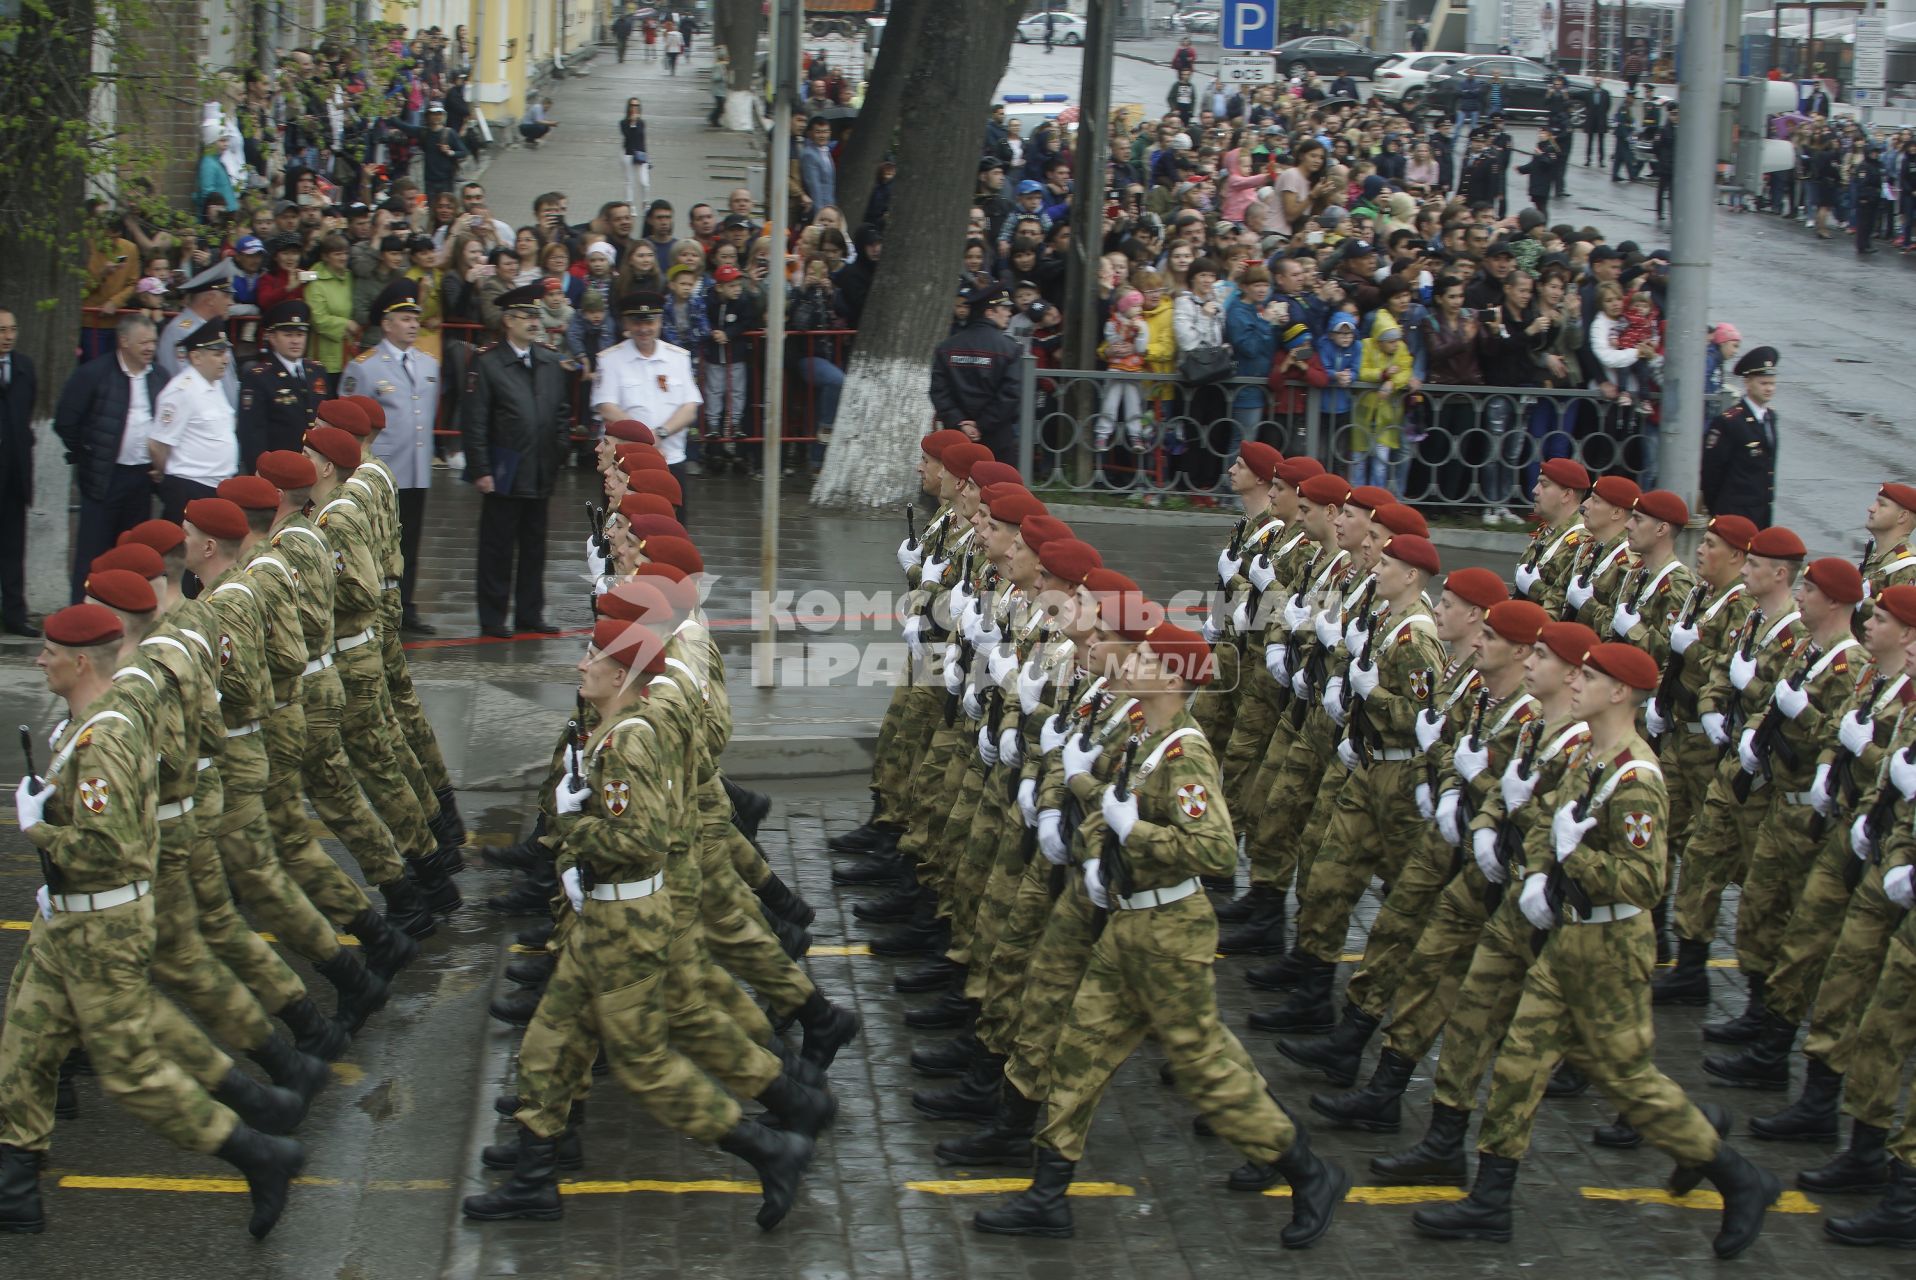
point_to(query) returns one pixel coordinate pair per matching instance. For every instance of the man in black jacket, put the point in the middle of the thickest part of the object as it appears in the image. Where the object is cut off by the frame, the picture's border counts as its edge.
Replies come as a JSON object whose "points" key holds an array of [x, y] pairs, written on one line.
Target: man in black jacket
{"points": [[1663, 151], [974, 375], [440, 149], [104, 426], [1596, 124], [1741, 445], [18, 389], [515, 419]]}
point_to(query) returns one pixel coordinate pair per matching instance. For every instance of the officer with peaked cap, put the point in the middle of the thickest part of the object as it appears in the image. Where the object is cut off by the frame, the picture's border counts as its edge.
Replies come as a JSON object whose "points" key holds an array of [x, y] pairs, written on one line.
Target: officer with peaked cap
{"points": [[1740, 447], [280, 390], [406, 383], [193, 445], [974, 374], [209, 297], [649, 380]]}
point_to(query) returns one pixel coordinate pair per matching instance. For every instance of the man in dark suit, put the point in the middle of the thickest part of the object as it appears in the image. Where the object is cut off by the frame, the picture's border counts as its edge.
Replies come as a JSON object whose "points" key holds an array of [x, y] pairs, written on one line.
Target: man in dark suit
{"points": [[515, 417], [18, 388], [280, 391], [104, 416], [1740, 446]]}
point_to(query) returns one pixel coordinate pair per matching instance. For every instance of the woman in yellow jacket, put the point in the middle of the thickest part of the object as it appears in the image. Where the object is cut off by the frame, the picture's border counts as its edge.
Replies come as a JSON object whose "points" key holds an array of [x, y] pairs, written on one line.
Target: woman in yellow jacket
{"points": [[427, 269], [1377, 430]]}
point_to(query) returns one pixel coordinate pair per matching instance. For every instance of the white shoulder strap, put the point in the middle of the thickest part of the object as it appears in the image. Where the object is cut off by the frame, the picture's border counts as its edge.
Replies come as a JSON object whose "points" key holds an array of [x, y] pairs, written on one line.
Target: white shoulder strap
{"points": [[1157, 752], [197, 639], [1836, 651], [1515, 705], [139, 672], [278, 564], [607, 735], [1617, 776], [1736, 589], [1776, 628], [1564, 739], [1558, 544], [305, 531], [66, 753], [335, 503], [235, 586]]}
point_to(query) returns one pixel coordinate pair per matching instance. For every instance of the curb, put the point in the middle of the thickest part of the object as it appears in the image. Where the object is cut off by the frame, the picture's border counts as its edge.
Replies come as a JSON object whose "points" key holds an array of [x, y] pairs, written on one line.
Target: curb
{"points": [[763, 757]]}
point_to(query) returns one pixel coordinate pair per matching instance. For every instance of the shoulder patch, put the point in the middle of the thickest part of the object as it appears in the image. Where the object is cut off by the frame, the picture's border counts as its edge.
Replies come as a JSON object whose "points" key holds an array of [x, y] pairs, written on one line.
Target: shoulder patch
{"points": [[1173, 752], [1193, 799], [618, 797], [1638, 828], [1420, 683], [95, 793], [365, 355]]}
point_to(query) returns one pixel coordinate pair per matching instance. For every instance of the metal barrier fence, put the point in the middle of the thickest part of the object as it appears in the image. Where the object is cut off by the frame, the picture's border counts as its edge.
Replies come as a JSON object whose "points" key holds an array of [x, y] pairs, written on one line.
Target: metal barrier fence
{"points": [[1463, 447]]}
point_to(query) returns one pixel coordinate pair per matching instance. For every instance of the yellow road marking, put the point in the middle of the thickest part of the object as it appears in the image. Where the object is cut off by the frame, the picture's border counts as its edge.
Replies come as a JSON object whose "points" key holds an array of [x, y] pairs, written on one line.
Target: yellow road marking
{"points": [[1003, 1186], [837, 949], [722, 1186], [1788, 1202], [1387, 1195]]}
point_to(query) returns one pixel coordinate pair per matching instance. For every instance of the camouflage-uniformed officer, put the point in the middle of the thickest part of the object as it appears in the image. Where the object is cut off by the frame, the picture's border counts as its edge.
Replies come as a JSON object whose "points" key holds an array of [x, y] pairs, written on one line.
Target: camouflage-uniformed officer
{"points": [[1604, 558], [279, 392], [1891, 522], [1652, 596], [1151, 969], [1250, 474], [1590, 886], [83, 977], [1543, 575]]}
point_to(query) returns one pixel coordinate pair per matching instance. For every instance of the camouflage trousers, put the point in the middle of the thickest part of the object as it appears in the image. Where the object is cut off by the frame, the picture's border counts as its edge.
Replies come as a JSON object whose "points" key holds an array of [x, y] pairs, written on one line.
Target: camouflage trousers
{"points": [[1267, 811], [1486, 1001], [184, 966], [1718, 853], [1813, 928], [914, 713], [1241, 759], [1017, 902], [1438, 964], [408, 712], [736, 934], [929, 802], [1372, 825], [85, 979], [993, 862], [228, 935], [246, 849], [332, 786], [1588, 998], [969, 845], [1394, 931], [1051, 979], [1301, 800], [1779, 863], [381, 759], [327, 886], [1215, 706], [1689, 762], [1151, 973], [1884, 1039], [609, 986], [1852, 972]]}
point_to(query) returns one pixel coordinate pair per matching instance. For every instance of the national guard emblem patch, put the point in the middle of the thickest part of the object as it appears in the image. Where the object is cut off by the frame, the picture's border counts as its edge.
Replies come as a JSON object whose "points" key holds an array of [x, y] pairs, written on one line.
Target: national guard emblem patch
{"points": [[1637, 828], [1420, 684], [339, 563], [618, 797], [1193, 799], [226, 650], [94, 793]]}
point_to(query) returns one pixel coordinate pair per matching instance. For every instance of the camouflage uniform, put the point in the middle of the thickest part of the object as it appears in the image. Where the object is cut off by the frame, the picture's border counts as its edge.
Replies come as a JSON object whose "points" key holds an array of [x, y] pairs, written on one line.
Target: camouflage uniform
{"points": [[1606, 565], [1688, 756], [1260, 702], [1553, 554]]}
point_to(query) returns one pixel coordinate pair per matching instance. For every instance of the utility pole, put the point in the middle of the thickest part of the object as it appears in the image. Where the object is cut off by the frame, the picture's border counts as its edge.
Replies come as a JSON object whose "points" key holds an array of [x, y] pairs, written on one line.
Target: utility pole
{"points": [[1093, 148], [1692, 224], [781, 72]]}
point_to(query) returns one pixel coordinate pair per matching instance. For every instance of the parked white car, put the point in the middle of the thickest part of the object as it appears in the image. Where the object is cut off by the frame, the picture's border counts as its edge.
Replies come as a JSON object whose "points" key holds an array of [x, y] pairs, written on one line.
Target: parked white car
{"points": [[1402, 72], [1066, 29]]}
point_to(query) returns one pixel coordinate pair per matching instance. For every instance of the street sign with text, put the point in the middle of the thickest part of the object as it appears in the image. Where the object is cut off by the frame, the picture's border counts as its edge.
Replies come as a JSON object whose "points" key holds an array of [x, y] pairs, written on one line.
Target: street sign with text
{"points": [[1246, 71], [1250, 24], [1866, 69]]}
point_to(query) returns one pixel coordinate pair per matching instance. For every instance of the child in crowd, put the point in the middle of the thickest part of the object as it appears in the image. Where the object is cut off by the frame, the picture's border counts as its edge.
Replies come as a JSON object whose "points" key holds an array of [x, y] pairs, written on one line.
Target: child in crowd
{"points": [[1377, 438], [726, 367], [1126, 337]]}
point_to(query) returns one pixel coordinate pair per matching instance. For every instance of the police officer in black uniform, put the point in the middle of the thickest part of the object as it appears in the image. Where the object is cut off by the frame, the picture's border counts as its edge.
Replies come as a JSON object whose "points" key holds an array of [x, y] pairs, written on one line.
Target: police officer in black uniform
{"points": [[1739, 449], [281, 389], [974, 374]]}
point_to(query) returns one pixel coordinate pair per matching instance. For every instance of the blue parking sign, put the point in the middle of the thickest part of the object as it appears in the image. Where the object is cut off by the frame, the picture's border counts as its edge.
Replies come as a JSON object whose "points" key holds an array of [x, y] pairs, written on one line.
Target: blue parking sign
{"points": [[1250, 24]]}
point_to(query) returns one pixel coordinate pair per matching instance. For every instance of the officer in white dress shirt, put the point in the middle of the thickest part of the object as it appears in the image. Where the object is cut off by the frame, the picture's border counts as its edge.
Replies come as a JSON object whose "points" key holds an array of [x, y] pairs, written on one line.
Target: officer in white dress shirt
{"points": [[651, 381], [195, 442]]}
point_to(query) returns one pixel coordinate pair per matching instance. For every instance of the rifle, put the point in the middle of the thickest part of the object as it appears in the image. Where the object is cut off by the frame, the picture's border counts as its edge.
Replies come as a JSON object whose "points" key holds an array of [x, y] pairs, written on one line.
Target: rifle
{"points": [[1235, 547], [994, 716], [964, 647], [1862, 568], [1509, 837], [1314, 666], [1073, 813], [1473, 739], [1670, 686], [49, 874], [575, 744], [1430, 760], [1877, 823], [1843, 788], [911, 524], [1745, 643], [1586, 566], [1357, 715], [1560, 889], [1117, 874], [596, 515], [1769, 735], [1291, 641]]}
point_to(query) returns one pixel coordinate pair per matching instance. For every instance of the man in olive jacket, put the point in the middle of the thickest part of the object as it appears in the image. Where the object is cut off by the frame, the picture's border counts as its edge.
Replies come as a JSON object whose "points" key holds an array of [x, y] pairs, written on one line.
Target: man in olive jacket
{"points": [[515, 419]]}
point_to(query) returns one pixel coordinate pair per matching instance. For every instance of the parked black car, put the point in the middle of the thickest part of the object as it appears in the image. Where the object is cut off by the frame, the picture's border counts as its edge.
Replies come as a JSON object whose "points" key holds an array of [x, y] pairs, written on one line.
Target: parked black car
{"points": [[1524, 85], [1328, 56]]}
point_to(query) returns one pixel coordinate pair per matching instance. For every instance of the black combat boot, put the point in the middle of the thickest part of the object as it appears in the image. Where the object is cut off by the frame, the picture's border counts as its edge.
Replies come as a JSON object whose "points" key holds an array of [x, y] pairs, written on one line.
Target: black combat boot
{"points": [[433, 874], [1618, 1135], [883, 867], [1812, 1117], [828, 1028], [523, 856], [384, 949], [796, 1064], [1861, 1166], [793, 940], [66, 1094], [785, 904], [1005, 1140], [1745, 1026], [448, 828], [916, 939], [1747, 1191], [533, 1190], [1482, 1215], [270, 1165], [1763, 1063], [973, 1098], [1688, 983], [1041, 1209], [949, 1057], [1566, 1082], [780, 1158], [569, 1152], [1892, 1222], [314, 1032], [516, 1007], [1317, 1188], [406, 909], [362, 993], [1309, 1010], [749, 807], [1338, 1055], [535, 936], [861, 838], [530, 894], [534, 970], [1685, 1178], [1262, 933], [1438, 1157], [941, 974], [1281, 974], [1238, 910], [901, 904], [20, 1209], [300, 1073], [800, 1108], [265, 1107], [1375, 1108], [1660, 923], [949, 1012]]}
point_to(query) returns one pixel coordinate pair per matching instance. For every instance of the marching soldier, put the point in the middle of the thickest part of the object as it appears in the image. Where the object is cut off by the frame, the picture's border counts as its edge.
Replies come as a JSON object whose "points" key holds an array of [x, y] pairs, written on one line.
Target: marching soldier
{"points": [[1543, 575], [1591, 592], [279, 391], [1251, 476], [1740, 446], [1650, 598]]}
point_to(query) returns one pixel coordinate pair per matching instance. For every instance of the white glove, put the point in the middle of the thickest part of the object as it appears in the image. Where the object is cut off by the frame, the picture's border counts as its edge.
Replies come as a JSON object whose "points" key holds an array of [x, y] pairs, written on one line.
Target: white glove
{"points": [[1333, 699], [1426, 803], [910, 555], [1228, 565], [954, 674], [932, 571], [1525, 578], [1578, 593], [1471, 761], [1820, 798], [574, 890], [987, 746], [1276, 654], [1051, 735], [1429, 728], [1051, 841], [1212, 631], [1094, 884], [1746, 752], [1348, 754], [591, 549], [1000, 663], [1682, 637], [1483, 847], [31, 802], [1897, 887], [1329, 632], [595, 564], [1742, 670], [1653, 719], [1079, 759], [1261, 572], [566, 799], [1300, 684], [1567, 829], [1856, 732], [987, 633], [1447, 817], [1363, 679], [1028, 801], [1535, 909], [1902, 773], [1241, 617], [1859, 842], [1789, 699], [1010, 748], [1031, 682], [1354, 636], [962, 596], [1623, 620], [1714, 728], [43, 898], [1120, 815], [970, 618], [1297, 614], [1516, 786], [915, 635], [972, 708]]}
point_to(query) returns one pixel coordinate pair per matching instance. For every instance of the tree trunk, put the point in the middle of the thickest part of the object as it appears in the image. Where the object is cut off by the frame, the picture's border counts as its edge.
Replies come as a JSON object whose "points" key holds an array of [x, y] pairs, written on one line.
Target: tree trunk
{"points": [[871, 137], [960, 55], [736, 24]]}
